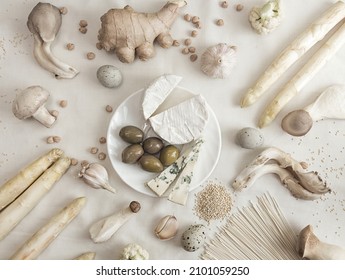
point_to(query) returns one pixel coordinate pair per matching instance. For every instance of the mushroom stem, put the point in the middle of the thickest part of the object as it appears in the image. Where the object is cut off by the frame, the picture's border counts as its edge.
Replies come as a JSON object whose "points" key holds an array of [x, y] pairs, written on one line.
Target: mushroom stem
{"points": [[310, 247], [308, 180], [105, 228], [44, 117]]}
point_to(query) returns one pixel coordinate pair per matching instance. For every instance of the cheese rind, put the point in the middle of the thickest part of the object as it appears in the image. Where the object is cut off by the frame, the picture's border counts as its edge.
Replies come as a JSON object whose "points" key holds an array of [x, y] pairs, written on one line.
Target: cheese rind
{"points": [[180, 187], [183, 122], [162, 182], [157, 92]]}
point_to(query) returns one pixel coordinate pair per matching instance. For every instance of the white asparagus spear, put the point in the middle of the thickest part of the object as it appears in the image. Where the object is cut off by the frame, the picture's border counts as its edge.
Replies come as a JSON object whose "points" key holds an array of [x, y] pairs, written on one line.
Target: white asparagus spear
{"points": [[38, 242], [86, 256], [307, 72], [19, 208], [11, 189], [295, 50]]}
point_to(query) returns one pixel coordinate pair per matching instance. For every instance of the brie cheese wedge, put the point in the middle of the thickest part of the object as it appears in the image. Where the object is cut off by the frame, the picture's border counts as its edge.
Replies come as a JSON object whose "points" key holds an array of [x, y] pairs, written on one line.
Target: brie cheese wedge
{"points": [[183, 122], [157, 92]]}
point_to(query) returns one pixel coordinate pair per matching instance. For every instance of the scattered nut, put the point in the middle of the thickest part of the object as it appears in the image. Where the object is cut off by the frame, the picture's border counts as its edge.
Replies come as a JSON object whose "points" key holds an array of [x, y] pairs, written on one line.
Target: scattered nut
{"points": [[193, 57], [84, 163], [109, 109], [194, 33], [185, 51], [99, 46], [83, 23], [70, 46], [191, 49], [63, 103], [102, 140], [198, 25], [224, 4], [94, 150], [102, 156], [63, 10], [187, 42], [90, 55], [56, 139], [54, 113], [176, 43], [83, 30], [239, 7], [220, 22], [74, 161], [195, 19], [187, 17], [50, 140]]}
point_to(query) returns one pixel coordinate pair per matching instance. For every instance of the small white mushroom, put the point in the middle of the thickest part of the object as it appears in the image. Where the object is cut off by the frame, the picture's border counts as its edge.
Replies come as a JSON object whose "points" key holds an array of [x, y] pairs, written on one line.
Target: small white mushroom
{"points": [[310, 247], [105, 228], [310, 184], [31, 103], [44, 23], [329, 105]]}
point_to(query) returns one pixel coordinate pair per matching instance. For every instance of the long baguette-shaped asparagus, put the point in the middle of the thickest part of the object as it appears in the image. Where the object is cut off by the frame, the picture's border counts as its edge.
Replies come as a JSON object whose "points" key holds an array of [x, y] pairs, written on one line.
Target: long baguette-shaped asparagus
{"points": [[19, 208], [303, 76], [11, 189], [296, 49], [36, 244]]}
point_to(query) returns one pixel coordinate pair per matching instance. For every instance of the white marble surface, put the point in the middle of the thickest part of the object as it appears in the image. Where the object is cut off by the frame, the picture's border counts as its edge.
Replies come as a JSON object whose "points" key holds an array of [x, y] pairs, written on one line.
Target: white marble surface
{"points": [[85, 120]]}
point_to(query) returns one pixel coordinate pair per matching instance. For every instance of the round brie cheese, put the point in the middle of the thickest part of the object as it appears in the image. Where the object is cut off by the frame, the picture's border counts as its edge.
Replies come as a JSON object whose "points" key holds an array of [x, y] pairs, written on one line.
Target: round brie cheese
{"points": [[183, 122]]}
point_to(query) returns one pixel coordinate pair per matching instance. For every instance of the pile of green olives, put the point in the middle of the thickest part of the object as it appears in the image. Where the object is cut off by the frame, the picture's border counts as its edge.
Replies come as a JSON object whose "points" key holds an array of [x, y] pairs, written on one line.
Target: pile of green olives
{"points": [[151, 152]]}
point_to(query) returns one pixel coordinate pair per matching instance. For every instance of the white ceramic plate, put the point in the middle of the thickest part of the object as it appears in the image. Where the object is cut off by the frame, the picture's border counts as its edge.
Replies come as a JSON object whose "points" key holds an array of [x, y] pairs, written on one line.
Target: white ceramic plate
{"points": [[129, 113]]}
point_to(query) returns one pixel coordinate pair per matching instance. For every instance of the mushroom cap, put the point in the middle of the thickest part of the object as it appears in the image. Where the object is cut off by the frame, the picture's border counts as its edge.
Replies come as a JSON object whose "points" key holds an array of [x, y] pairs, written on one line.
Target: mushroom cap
{"points": [[29, 101], [45, 20], [306, 241], [297, 123]]}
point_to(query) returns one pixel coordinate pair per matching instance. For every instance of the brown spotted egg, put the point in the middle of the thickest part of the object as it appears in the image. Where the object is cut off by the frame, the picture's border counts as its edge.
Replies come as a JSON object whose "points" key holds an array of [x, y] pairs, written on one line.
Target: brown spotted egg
{"points": [[194, 237]]}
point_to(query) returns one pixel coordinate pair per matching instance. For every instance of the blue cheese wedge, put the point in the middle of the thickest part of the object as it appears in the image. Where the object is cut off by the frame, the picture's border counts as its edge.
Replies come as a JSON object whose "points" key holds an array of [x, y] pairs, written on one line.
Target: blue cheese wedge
{"points": [[183, 122], [157, 92], [180, 187], [162, 182]]}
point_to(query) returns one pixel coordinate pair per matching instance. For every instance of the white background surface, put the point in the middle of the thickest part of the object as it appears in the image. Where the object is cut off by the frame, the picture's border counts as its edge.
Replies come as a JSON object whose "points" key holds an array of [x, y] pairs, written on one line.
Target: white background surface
{"points": [[85, 120]]}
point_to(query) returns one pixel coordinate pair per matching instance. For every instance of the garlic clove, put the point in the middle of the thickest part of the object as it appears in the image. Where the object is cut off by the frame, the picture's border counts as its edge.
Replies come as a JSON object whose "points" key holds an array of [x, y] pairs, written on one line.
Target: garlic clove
{"points": [[96, 176], [167, 227]]}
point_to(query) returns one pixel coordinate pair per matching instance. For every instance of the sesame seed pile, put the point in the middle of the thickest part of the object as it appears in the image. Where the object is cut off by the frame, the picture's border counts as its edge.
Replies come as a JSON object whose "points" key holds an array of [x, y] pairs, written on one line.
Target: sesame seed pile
{"points": [[214, 202]]}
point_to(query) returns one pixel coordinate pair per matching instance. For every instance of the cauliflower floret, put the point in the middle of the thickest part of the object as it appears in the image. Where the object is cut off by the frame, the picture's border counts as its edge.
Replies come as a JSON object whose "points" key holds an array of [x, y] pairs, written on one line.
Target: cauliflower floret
{"points": [[134, 251], [266, 18]]}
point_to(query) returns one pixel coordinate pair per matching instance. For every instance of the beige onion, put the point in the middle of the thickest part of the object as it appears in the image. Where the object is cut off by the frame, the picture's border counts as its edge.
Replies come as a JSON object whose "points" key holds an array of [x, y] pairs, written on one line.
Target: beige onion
{"points": [[218, 61]]}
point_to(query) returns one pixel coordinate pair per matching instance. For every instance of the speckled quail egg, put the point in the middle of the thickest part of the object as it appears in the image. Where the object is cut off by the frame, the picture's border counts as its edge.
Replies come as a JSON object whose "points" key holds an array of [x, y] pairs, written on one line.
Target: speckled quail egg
{"points": [[249, 138], [194, 237], [109, 76]]}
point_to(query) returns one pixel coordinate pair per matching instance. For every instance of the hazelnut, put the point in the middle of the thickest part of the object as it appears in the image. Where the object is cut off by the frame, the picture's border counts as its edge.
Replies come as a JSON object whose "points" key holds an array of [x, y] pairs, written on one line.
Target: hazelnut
{"points": [[187, 17], [109, 109], [83, 23], [194, 33], [220, 22], [195, 19], [74, 161], [185, 51], [94, 150], [193, 57], [90, 55], [239, 7], [102, 156], [70, 46], [187, 42], [224, 4], [83, 30], [135, 206], [102, 140], [63, 103], [191, 49]]}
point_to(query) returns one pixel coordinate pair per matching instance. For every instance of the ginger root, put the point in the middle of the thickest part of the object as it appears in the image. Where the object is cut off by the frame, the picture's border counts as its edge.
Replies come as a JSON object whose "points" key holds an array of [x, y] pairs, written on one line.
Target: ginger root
{"points": [[129, 33]]}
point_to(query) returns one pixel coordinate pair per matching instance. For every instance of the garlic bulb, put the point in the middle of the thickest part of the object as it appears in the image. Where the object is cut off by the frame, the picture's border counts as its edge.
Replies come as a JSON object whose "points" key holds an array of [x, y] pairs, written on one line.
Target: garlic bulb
{"points": [[218, 61], [95, 175]]}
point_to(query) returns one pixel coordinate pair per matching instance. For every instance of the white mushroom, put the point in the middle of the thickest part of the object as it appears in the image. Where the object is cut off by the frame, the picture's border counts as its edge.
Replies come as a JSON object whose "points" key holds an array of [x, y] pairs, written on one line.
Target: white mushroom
{"points": [[105, 228], [44, 23], [329, 105], [310, 247], [31, 103], [294, 176]]}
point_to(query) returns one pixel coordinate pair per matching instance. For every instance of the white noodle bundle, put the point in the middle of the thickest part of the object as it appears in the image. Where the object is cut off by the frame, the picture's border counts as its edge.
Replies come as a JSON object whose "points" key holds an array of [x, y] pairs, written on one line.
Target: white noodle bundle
{"points": [[257, 232]]}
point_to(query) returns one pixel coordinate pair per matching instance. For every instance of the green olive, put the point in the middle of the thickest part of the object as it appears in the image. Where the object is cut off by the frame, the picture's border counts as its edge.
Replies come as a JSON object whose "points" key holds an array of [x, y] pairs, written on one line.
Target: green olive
{"points": [[131, 134], [152, 145], [151, 164], [132, 153], [169, 154]]}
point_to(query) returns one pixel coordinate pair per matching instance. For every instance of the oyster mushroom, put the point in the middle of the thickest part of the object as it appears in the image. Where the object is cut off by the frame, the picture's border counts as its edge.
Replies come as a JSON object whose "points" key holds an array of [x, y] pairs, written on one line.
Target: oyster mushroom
{"points": [[329, 105], [44, 23], [31, 103], [310, 247]]}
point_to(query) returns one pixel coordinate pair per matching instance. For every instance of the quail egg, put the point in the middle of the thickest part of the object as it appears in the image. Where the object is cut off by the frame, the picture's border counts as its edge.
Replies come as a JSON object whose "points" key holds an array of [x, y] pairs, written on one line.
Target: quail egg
{"points": [[109, 76], [249, 138], [194, 237]]}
